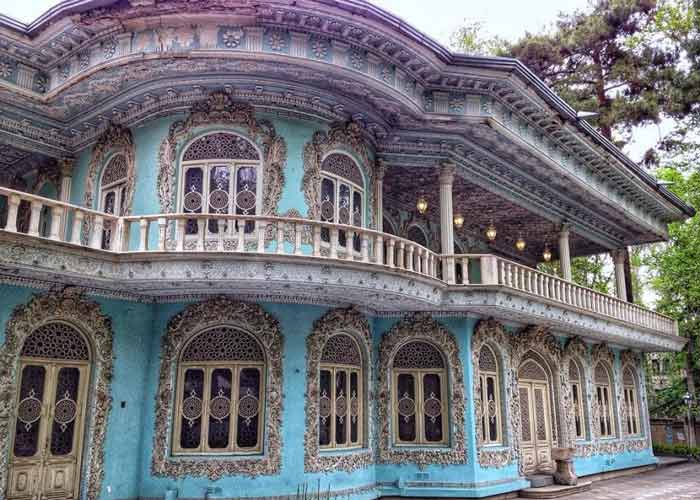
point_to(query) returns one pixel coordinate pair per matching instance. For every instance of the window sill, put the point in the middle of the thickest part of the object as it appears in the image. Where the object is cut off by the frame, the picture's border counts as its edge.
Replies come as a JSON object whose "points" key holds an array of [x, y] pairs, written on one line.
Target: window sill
{"points": [[341, 451]]}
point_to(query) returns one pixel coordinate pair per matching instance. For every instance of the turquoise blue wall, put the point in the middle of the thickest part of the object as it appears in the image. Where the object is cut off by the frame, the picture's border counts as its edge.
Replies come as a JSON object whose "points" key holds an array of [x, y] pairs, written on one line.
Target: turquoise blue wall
{"points": [[147, 142], [138, 331]]}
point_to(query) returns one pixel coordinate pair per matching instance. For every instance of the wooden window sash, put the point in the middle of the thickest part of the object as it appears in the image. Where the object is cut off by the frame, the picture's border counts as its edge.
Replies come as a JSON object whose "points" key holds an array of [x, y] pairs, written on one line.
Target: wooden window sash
{"points": [[348, 369], [418, 374]]}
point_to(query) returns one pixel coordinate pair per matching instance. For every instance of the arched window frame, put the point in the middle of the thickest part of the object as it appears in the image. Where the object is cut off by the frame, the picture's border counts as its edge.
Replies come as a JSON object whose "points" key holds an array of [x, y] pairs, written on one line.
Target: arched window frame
{"points": [[490, 408], [604, 400], [117, 187], [206, 166], [578, 399], [337, 181], [353, 390], [422, 230], [630, 387], [208, 368], [420, 399]]}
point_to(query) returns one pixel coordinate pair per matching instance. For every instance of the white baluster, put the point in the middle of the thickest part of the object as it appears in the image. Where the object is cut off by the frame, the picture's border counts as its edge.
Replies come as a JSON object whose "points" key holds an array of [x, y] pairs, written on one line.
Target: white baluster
{"points": [[220, 231], [379, 250], [201, 233], [280, 237], [75, 236], [34, 218], [143, 234], [364, 247], [390, 252], [96, 236], [334, 243], [297, 238], [56, 217], [317, 241], [400, 260], [12, 211], [262, 226], [180, 234], [409, 257], [241, 235], [162, 226], [116, 243], [349, 242]]}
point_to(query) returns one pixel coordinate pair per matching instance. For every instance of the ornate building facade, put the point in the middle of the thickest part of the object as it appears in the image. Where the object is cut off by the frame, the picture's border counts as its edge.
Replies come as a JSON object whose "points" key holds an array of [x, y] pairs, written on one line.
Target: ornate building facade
{"points": [[251, 246]]}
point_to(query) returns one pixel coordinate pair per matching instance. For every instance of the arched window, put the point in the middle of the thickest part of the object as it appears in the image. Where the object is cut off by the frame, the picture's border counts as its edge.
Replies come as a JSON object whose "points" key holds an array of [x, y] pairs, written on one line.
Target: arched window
{"points": [[112, 194], [420, 390], [342, 195], [220, 175], [340, 393], [490, 397], [604, 400], [416, 234], [576, 380], [631, 402], [220, 386]]}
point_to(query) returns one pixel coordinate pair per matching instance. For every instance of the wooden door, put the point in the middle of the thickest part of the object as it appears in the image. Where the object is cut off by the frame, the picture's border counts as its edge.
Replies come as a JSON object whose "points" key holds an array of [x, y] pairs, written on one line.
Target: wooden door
{"points": [[536, 430], [48, 435]]}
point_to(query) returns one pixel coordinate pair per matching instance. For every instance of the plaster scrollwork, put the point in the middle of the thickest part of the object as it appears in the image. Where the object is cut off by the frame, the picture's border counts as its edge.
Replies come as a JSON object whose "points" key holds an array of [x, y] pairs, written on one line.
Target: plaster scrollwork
{"points": [[539, 340], [575, 350], [344, 137], [254, 320], [492, 332], [348, 321], [421, 326], [69, 306], [220, 110]]}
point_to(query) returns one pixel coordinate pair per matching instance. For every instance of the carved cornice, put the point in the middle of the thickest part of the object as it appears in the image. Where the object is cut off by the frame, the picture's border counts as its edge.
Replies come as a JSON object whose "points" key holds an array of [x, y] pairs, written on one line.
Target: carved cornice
{"points": [[421, 326], [194, 319], [350, 322], [69, 306]]}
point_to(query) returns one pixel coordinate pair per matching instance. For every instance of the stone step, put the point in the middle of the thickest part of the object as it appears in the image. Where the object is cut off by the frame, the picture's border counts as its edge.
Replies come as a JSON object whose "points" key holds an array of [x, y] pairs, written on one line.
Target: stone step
{"points": [[554, 491], [540, 480]]}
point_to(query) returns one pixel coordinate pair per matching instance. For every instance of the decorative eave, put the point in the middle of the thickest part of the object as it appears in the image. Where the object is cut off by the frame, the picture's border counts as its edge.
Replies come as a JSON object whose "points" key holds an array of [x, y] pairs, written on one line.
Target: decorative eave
{"points": [[412, 58]]}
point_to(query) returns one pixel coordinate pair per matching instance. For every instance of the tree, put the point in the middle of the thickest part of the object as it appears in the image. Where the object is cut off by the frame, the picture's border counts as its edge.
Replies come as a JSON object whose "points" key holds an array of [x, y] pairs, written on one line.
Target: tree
{"points": [[605, 61], [472, 40]]}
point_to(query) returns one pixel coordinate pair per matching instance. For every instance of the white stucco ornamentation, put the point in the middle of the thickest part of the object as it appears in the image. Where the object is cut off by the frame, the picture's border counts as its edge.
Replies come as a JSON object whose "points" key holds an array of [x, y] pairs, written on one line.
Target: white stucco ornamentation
{"points": [[348, 321], [254, 320], [71, 307], [421, 326]]}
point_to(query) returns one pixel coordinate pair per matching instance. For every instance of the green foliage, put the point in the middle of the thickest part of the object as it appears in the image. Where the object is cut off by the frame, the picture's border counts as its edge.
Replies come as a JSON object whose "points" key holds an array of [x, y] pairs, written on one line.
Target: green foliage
{"points": [[679, 450], [472, 40]]}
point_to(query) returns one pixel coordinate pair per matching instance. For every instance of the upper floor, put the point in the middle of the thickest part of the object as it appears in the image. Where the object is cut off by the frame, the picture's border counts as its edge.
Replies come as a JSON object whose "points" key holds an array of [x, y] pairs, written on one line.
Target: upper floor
{"points": [[158, 148]]}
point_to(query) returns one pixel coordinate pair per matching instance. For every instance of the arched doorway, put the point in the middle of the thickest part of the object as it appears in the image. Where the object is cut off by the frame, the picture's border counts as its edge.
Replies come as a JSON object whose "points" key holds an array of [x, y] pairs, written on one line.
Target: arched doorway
{"points": [[47, 442], [536, 425]]}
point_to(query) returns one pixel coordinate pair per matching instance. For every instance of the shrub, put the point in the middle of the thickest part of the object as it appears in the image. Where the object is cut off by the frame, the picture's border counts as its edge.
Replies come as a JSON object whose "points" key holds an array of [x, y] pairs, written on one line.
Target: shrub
{"points": [[682, 450]]}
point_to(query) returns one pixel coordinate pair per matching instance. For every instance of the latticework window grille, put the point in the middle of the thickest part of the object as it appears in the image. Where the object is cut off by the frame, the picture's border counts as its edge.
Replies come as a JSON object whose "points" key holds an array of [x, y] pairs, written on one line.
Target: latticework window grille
{"points": [[341, 402], [56, 341], [603, 404], [489, 408], [221, 383], [420, 401], [631, 402], [578, 397]]}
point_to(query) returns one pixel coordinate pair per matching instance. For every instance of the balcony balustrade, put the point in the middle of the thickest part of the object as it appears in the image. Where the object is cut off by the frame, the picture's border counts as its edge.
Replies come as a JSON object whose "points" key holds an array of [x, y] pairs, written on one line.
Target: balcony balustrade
{"points": [[286, 236]]}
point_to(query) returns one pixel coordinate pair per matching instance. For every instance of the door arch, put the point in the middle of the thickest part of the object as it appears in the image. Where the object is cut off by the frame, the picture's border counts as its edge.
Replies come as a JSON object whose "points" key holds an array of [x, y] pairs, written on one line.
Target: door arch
{"points": [[537, 424], [58, 353]]}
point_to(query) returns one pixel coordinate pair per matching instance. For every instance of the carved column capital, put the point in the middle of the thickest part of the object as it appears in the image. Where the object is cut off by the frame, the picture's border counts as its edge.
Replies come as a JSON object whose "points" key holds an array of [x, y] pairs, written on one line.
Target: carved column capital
{"points": [[66, 166], [447, 173], [380, 169]]}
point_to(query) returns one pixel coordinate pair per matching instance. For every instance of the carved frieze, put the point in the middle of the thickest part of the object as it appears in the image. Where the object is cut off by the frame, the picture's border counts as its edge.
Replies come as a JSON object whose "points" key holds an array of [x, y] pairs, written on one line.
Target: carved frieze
{"points": [[421, 326], [68, 306], [348, 321], [195, 318]]}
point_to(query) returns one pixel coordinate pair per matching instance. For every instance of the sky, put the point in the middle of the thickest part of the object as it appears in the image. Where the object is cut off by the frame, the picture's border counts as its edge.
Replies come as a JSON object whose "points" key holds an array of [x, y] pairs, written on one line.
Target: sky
{"points": [[509, 19]]}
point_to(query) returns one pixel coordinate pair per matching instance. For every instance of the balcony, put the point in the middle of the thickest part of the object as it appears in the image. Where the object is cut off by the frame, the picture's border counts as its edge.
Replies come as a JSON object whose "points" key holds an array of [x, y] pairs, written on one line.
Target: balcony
{"points": [[166, 255]]}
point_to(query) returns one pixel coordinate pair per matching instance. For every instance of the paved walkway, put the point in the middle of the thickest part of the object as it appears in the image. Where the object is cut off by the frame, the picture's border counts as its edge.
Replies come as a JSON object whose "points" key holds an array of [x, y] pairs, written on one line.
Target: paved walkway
{"points": [[679, 482]]}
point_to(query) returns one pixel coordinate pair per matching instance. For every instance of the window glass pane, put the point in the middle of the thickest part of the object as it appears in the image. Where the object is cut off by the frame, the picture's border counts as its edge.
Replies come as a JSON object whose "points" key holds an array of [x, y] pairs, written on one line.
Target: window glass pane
{"points": [[110, 198], [432, 407], [324, 417], [246, 192], [65, 411], [220, 408], [341, 406], [484, 408], [354, 407], [248, 408], [344, 204], [577, 410], [218, 196], [357, 218], [492, 408], [192, 198], [31, 395], [406, 407], [191, 423], [327, 206]]}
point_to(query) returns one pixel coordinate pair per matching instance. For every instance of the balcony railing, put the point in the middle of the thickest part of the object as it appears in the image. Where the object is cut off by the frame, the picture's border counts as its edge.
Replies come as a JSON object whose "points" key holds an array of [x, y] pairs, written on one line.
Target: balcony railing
{"points": [[176, 233]]}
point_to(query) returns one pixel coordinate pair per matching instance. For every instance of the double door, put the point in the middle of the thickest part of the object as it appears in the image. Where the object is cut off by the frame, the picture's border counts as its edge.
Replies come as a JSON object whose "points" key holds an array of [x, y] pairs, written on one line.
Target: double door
{"points": [[536, 429], [49, 424]]}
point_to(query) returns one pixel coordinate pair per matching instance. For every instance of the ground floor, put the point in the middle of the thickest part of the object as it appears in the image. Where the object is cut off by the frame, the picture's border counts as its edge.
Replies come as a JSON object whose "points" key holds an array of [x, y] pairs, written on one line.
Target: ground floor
{"points": [[109, 398]]}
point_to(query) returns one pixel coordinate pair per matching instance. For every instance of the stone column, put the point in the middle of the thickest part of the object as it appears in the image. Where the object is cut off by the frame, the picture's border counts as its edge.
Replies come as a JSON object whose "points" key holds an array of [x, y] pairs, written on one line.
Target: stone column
{"points": [[380, 169], [565, 253], [66, 167], [618, 257], [447, 175]]}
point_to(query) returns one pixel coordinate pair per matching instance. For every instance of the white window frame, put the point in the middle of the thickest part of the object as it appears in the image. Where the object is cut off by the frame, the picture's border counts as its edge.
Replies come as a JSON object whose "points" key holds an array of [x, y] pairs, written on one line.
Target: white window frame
{"points": [[631, 400], [605, 411], [484, 375]]}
